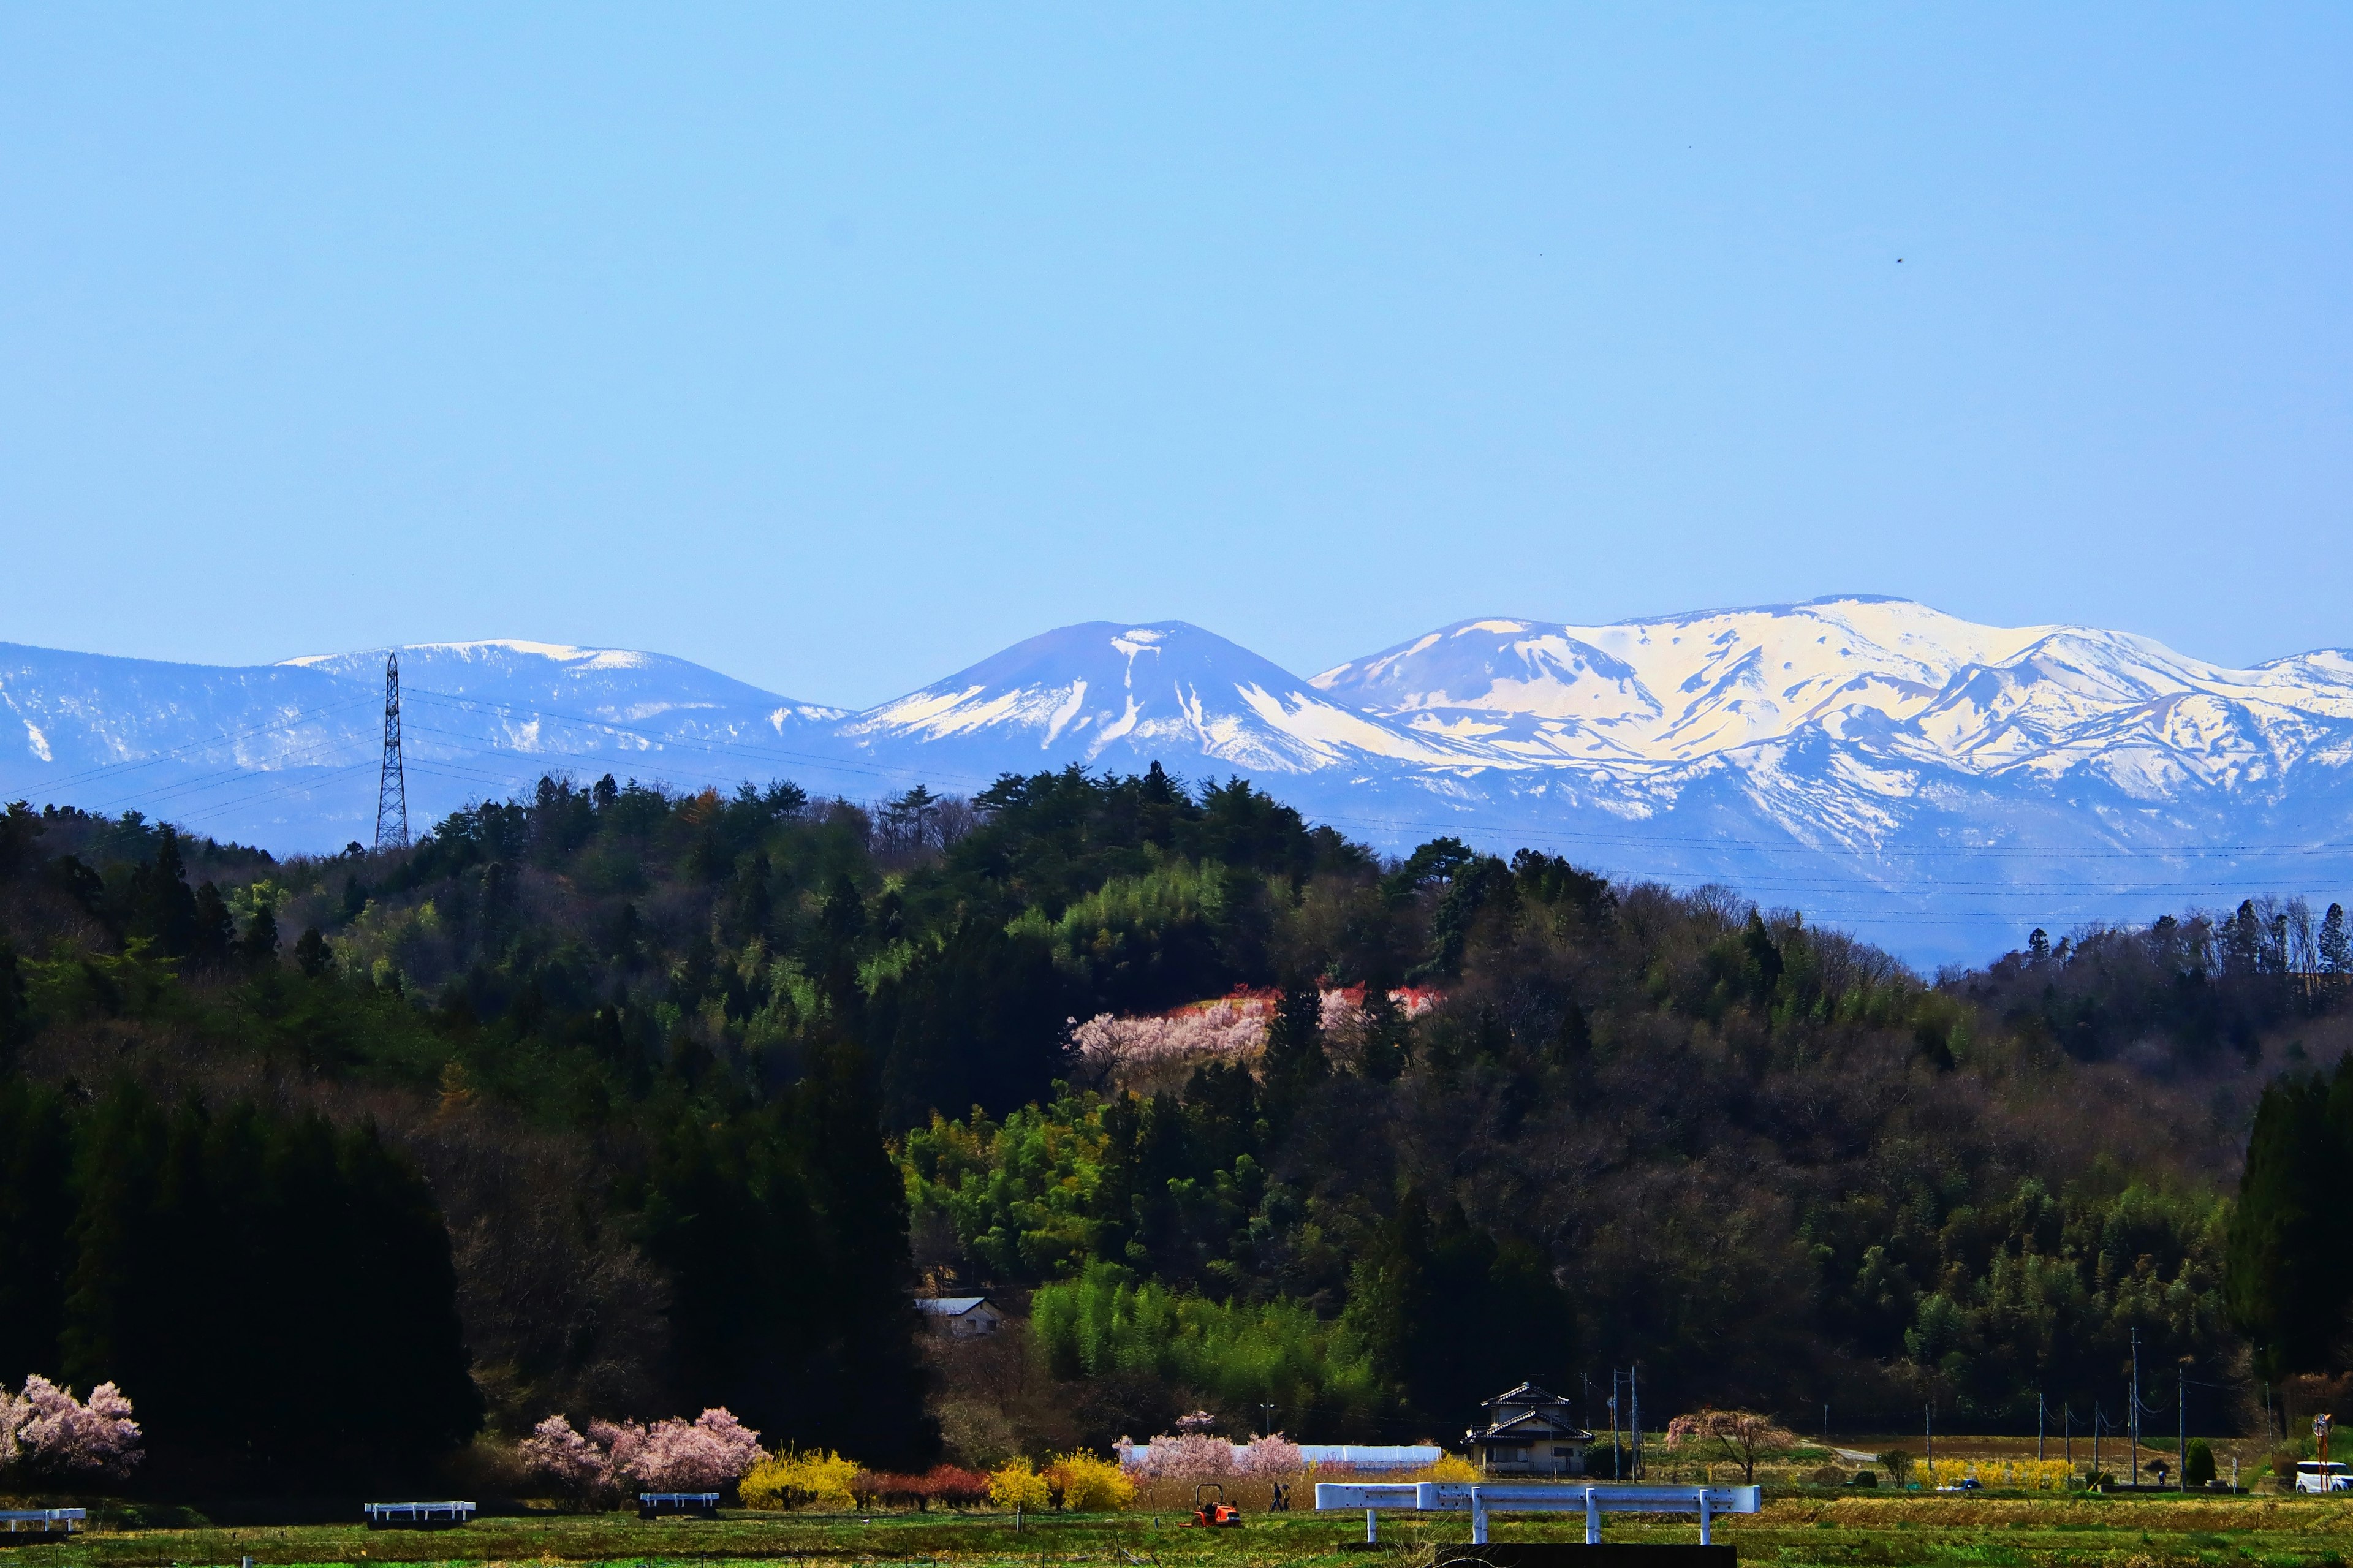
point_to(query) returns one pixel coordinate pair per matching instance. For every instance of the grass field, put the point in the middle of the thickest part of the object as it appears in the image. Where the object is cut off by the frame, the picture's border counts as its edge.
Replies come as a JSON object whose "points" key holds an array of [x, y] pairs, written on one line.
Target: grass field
{"points": [[1967, 1532]]}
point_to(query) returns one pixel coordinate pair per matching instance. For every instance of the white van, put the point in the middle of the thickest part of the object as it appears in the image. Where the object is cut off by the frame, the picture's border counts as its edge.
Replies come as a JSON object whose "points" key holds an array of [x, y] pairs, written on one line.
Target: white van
{"points": [[2312, 1476]]}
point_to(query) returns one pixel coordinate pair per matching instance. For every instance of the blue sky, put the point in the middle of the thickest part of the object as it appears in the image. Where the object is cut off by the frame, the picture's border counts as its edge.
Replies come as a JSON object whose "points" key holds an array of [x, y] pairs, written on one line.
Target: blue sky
{"points": [[837, 347]]}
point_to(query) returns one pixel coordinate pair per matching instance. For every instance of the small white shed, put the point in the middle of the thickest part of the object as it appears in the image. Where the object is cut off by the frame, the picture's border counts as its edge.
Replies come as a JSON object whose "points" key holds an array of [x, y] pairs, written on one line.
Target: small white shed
{"points": [[960, 1317]]}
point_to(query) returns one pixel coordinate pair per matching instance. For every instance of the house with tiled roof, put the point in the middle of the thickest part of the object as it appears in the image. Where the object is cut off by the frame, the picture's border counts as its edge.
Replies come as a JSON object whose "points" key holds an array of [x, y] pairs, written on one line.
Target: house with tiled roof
{"points": [[1528, 1432]]}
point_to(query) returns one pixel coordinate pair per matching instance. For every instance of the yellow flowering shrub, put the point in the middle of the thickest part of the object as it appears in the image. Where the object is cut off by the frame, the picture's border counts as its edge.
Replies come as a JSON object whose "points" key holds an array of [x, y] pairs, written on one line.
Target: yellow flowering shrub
{"points": [[819, 1478], [2031, 1475], [1016, 1485], [1086, 1484]]}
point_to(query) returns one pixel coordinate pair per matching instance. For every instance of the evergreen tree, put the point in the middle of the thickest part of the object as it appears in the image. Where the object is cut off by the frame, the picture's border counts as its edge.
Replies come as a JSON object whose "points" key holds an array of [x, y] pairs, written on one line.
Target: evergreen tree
{"points": [[304, 1267], [162, 908], [2242, 942], [1295, 1061], [978, 1021], [1573, 1041], [2286, 1280], [1385, 1030], [14, 1023], [2336, 949], [258, 947], [1764, 960], [216, 930], [36, 1213], [313, 953], [1454, 1315]]}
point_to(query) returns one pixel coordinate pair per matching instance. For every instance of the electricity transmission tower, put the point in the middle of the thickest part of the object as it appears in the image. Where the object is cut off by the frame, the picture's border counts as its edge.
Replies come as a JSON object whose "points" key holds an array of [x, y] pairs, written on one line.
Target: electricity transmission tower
{"points": [[392, 784]]}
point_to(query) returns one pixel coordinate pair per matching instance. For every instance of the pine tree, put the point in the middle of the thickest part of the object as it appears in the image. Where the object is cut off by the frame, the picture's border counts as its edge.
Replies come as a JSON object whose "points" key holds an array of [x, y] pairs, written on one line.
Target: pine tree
{"points": [[1294, 1044], [2336, 951], [258, 946], [1383, 1058], [215, 930], [162, 908], [15, 1025], [1572, 1042], [314, 954], [2285, 1279]]}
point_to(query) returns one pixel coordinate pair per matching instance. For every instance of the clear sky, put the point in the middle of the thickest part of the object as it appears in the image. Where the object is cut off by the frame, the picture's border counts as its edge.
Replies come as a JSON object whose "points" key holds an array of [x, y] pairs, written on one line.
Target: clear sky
{"points": [[835, 347]]}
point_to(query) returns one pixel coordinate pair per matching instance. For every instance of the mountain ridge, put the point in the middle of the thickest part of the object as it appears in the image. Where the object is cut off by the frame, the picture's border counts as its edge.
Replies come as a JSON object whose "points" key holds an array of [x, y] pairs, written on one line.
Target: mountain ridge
{"points": [[1841, 747]]}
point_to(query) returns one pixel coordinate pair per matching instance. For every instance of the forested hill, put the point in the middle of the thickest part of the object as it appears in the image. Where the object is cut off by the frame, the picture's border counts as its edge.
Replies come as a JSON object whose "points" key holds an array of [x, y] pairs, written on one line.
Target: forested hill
{"points": [[658, 1102]]}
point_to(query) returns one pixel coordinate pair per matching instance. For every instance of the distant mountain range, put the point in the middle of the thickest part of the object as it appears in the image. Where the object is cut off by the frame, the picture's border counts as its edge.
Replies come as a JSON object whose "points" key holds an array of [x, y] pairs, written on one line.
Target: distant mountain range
{"points": [[1937, 784]]}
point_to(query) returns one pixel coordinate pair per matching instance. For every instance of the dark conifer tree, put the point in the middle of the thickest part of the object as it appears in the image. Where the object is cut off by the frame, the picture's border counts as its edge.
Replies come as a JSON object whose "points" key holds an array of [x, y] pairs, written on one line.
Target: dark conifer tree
{"points": [[258, 946], [313, 953], [216, 930], [1295, 1061], [162, 908], [2287, 1280], [35, 1217], [14, 1023]]}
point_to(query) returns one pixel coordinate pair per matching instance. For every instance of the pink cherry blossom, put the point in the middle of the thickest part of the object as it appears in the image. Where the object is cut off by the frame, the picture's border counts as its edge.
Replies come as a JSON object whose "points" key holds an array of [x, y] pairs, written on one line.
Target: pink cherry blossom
{"points": [[46, 1428], [1273, 1456], [1224, 1028], [674, 1456]]}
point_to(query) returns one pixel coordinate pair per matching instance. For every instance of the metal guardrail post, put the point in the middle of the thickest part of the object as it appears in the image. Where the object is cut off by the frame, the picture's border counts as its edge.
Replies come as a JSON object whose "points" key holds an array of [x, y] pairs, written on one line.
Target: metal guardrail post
{"points": [[1703, 1538], [1592, 1519], [1478, 1516]]}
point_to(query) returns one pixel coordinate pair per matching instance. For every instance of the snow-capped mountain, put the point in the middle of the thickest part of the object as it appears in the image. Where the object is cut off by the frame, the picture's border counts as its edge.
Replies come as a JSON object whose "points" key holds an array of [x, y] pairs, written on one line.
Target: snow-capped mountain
{"points": [[1112, 695], [286, 755], [1936, 784], [1656, 698]]}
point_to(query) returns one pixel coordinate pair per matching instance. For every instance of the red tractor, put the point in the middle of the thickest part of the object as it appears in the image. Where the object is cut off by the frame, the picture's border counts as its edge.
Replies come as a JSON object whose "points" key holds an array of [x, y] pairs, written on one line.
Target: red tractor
{"points": [[1217, 1515]]}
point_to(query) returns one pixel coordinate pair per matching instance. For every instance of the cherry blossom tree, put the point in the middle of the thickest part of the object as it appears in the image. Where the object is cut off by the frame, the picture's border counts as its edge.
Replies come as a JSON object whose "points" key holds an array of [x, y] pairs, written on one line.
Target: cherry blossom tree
{"points": [[45, 1428], [1275, 1457], [1192, 1456], [579, 1469], [703, 1456], [674, 1456], [1225, 1028], [1739, 1434]]}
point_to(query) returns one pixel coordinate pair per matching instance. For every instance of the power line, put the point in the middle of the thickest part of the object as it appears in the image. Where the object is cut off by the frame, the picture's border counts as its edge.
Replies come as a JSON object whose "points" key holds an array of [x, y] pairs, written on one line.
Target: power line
{"points": [[224, 737]]}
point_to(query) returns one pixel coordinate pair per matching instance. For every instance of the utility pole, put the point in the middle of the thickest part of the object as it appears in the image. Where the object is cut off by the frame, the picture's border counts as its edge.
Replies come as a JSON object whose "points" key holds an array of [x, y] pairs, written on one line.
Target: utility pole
{"points": [[1634, 1394], [2096, 1437], [2181, 1426], [392, 784], [2067, 1424], [2038, 1425], [1929, 1431], [1826, 1425], [2132, 1423], [1616, 1452]]}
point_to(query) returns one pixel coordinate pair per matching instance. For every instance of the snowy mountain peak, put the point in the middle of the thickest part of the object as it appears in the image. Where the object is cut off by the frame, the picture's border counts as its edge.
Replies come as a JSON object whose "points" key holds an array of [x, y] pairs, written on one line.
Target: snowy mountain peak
{"points": [[1109, 694]]}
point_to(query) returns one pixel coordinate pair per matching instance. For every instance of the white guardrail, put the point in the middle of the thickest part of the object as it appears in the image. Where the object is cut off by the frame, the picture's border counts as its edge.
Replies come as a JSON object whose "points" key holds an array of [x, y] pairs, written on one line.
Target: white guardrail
{"points": [[45, 1520], [1482, 1497]]}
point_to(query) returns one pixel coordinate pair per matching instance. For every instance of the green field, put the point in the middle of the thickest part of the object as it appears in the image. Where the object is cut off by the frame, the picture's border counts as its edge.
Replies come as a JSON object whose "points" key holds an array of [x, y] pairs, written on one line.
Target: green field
{"points": [[1981, 1532]]}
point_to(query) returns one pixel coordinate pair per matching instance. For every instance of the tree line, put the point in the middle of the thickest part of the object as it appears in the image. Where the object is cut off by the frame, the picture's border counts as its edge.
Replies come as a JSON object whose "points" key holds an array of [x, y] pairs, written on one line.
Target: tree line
{"points": [[695, 1089]]}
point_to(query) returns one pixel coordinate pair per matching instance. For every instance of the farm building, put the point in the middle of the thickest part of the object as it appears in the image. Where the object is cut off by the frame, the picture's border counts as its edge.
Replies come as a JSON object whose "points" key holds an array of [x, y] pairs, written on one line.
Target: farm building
{"points": [[960, 1317]]}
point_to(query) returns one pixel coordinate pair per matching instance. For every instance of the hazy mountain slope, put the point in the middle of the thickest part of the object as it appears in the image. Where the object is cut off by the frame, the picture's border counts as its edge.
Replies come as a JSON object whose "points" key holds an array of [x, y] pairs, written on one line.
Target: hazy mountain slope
{"points": [[288, 754]]}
